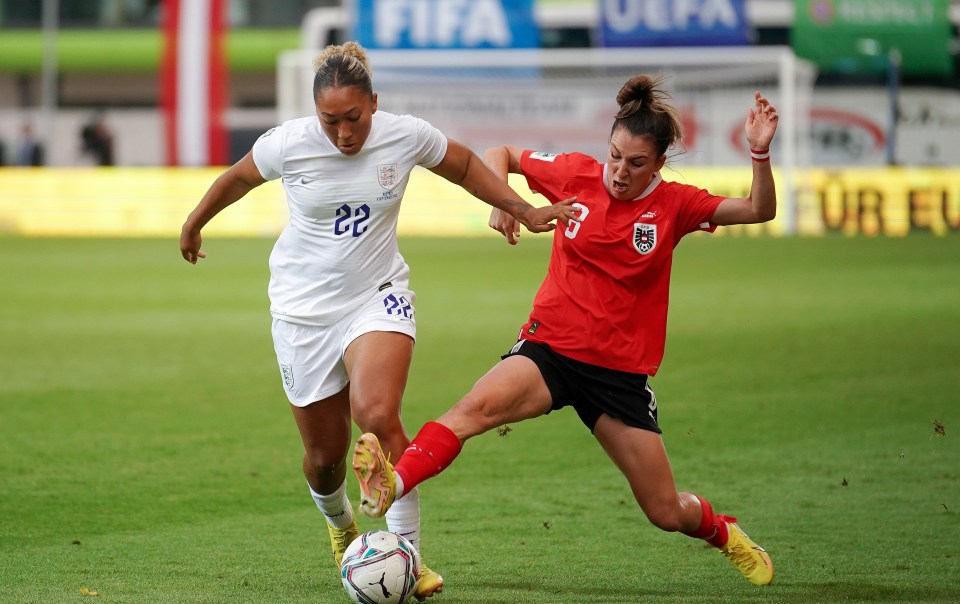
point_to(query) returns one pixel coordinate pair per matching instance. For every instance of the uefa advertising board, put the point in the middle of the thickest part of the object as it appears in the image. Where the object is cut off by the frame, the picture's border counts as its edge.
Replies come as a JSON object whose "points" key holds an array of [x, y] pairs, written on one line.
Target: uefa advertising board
{"points": [[637, 23]]}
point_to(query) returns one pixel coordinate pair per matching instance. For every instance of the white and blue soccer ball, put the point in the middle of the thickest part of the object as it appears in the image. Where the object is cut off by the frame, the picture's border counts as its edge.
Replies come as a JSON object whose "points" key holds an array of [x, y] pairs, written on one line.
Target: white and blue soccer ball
{"points": [[380, 567]]}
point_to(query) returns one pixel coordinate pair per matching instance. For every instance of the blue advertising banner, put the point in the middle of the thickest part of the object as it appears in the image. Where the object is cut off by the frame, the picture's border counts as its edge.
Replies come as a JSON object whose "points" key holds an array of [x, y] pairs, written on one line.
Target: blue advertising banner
{"points": [[445, 24], [632, 23]]}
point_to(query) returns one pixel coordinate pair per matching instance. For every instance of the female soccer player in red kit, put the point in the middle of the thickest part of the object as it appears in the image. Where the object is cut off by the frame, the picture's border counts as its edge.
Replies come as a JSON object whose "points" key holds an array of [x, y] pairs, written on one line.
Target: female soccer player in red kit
{"points": [[598, 324]]}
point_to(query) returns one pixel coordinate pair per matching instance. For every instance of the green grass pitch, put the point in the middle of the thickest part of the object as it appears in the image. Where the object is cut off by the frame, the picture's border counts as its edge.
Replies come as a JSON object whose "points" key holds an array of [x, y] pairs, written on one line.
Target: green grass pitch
{"points": [[147, 452]]}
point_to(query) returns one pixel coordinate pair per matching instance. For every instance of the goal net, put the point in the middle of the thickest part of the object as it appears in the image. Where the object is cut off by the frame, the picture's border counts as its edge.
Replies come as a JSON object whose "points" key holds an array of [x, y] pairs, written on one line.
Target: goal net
{"points": [[558, 100]]}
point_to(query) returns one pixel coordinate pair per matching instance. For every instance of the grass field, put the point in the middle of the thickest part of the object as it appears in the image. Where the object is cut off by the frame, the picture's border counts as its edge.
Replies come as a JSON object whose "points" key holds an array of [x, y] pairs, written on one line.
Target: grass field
{"points": [[148, 453]]}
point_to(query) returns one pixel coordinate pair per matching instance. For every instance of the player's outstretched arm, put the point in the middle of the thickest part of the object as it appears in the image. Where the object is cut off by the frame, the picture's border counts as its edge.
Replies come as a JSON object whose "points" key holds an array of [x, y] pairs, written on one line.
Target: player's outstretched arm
{"points": [[461, 166], [761, 205], [230, 186]]}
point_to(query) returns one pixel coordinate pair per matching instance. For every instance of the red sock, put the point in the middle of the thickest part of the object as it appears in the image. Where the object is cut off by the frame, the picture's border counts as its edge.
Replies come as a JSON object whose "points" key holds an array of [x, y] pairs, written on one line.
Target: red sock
{"points": [[713, 527], [433, 449]]}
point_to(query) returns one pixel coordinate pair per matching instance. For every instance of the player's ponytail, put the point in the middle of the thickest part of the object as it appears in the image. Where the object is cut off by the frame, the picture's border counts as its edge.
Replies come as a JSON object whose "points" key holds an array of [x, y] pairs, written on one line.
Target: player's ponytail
{"points": [[342, 65], [644, 111]]}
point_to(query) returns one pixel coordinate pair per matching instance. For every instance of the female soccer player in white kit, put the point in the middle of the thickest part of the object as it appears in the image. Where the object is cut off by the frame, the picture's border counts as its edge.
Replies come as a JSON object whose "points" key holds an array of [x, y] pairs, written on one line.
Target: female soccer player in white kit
{"points": [[343, 315]]}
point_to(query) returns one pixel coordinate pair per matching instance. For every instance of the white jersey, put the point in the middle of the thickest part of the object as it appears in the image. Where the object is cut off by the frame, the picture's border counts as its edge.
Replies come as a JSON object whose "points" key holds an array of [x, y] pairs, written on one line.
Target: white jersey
{"points": [[340, 245]]}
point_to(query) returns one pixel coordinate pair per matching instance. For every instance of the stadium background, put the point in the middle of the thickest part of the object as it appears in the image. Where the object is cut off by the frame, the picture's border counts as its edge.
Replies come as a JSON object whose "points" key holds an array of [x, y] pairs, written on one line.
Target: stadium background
{"points": [[109, 56], [809, 383]]}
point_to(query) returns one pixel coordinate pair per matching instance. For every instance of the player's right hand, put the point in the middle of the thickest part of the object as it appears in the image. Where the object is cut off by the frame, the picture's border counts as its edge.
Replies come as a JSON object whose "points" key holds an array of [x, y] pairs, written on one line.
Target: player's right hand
{"points": [[540, 220], [190, 242]]}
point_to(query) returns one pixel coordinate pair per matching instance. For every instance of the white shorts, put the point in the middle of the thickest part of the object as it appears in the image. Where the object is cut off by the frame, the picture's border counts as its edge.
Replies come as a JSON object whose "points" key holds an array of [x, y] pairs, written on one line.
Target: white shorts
{"points": [[311, 356]]}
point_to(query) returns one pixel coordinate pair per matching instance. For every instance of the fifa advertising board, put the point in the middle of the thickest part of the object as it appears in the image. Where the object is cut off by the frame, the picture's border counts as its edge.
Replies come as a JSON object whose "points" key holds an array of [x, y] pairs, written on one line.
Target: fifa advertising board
{"points": [[638, 23], [444, 24]]}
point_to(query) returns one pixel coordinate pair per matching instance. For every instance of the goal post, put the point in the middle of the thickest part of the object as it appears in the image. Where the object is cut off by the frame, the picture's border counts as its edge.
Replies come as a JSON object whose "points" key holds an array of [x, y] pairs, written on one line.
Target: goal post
{"points": [[565, 99]]}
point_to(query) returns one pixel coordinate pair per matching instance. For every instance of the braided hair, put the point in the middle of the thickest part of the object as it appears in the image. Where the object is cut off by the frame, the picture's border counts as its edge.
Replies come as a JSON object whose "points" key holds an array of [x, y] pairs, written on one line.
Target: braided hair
{"points": [[340, 66]]}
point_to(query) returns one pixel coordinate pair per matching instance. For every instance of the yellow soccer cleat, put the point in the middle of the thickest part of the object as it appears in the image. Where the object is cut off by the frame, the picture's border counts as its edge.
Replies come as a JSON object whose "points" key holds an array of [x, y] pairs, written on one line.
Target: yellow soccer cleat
{"points": [[430, 583], [340, 539], [749, 558], [378, 482]]}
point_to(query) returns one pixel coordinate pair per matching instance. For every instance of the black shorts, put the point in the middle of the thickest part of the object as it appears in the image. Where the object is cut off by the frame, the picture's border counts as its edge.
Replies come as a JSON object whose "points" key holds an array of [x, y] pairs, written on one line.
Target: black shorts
{"points": [[593, 390]]}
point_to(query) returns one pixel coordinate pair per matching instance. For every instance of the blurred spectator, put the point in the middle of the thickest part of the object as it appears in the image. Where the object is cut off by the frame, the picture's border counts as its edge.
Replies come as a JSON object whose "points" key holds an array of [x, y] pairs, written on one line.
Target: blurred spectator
{"points": [[3, 153], [29, 151], [97, 141]]}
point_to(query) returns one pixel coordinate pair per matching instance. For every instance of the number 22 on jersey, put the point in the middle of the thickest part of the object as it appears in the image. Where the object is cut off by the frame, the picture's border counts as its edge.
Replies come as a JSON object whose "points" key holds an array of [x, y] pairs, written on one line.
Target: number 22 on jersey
{"points": [[351, 220]]}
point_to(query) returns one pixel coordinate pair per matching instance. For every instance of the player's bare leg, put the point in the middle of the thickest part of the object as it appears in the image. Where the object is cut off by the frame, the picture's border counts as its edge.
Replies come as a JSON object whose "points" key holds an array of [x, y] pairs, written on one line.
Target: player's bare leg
{"points": [[642, 458], [325, 431], [378, 363]]}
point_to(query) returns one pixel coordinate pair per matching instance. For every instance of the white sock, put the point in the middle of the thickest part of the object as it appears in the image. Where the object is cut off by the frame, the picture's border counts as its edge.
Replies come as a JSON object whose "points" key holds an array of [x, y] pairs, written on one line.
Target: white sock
{"points": [[335, 506], [399, 485], [403, 517]]}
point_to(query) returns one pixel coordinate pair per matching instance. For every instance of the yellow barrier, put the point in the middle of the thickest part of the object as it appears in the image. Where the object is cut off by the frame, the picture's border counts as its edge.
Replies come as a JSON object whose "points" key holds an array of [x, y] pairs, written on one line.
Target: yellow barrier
{"points": [[126, 202], [123, 202], [894, 201]]}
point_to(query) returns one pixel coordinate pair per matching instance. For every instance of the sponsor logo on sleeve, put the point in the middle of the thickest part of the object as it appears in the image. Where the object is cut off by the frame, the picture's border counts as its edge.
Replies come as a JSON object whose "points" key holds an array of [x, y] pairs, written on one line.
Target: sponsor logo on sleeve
{"points": [[543, 156]]}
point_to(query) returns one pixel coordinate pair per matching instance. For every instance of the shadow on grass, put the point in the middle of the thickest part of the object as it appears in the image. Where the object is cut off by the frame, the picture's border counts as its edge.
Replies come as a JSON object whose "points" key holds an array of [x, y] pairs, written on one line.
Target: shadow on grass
{"points": [[852, 591], [805, 593], [506, 591]]}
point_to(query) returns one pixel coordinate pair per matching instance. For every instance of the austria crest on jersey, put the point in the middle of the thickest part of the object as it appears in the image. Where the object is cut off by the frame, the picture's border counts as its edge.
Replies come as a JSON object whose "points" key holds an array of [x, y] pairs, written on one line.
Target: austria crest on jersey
{"points": [[387, 175], [644, 237]]}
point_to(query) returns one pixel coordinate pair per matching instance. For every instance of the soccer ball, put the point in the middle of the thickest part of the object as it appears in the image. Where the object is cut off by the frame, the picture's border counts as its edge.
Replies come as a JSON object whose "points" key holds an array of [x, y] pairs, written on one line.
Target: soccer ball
{"points": [[380, 567]]}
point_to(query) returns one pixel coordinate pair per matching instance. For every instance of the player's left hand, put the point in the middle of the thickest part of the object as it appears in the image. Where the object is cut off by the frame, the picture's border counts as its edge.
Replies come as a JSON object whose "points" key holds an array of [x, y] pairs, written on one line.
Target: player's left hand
{"points": [[540, 220], [761, 123]]}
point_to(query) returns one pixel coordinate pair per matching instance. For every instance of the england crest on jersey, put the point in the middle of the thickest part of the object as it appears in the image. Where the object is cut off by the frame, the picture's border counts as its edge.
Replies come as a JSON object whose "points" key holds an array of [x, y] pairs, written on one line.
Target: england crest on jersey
{"points": [[644, 237], [387, 175]]}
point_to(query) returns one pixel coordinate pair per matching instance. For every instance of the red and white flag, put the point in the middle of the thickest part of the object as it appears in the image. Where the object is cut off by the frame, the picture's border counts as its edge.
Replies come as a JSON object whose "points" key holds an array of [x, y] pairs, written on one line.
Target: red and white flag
{"points": [[193, 82]]}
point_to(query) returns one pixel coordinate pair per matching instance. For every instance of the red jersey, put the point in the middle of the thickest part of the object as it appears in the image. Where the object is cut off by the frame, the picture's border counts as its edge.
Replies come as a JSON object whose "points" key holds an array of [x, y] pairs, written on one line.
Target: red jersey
{"points": [[604, 300]]}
